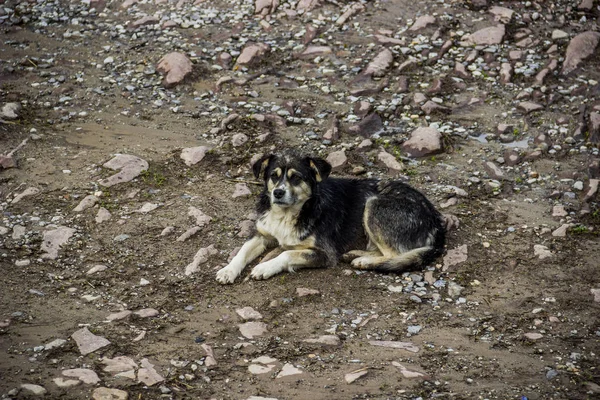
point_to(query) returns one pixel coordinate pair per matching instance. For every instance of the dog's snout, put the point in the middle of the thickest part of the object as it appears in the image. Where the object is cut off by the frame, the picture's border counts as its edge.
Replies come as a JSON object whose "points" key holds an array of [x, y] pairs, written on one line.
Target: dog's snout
{"points": [[278, 193]]}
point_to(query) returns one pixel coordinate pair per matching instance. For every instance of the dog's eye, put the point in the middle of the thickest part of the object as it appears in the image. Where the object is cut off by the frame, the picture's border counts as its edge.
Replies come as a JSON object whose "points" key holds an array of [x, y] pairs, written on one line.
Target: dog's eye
{"points": [[295, 179], [274, 176]]}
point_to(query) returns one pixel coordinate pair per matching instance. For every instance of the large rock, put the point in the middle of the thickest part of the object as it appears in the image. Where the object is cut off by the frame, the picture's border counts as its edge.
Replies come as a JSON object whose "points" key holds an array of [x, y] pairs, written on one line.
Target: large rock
{"points": [[130, 166], [337, 159], [580, 47], [487, 36], [87, 342], [423, 141], [252, 53], [54, 239], [176, 66], [380, 63], [193, 155]]}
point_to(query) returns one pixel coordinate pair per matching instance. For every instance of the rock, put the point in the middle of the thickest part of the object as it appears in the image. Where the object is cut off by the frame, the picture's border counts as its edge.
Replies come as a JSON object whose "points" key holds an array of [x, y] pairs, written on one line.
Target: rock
{"points": [[118, 316], [329, 340], [353, 376], [10, 111], [66, 383], [53, 240], [118, 364], [580, 48], [493, 170], [147, 373], [288, 370], [84, 375], [188, 234], [408, 346], [301, 292], [533, 335], [542, 252], [265, 7], [528, 106], [333, 133], [35, 390], [594, 127], [380, 63], [251, 329], [147, 313], [246, 228], [87, 202], [314, 51], [501, 14], [103, 393], [385, 40], [264, 360], [7, 161], [431, 107], [350, 12], [252, 53], [592, 190], [370, 125], [201, 218], [390, 162], [423, 141], [103, 215], [193, 155], [487, 36], [145, 20], [248, 313], [241, 190], [176, 66], [337, 159], [256, 369], [596, 294], [454, 289], [55, 344], [408, 373], [27, 192], [455, 256], [586, 5], [87, 342], [239, 139], [146, 208], [200, 257], [557, 34], [506, 71], [130, 166], [562, 230], [209, 360], [422, 22], [559, 211]]}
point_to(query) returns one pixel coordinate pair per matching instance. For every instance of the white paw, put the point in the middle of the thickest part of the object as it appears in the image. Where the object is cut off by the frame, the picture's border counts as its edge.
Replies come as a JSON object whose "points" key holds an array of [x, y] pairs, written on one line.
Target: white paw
{"points": [[360, 262], [227, 275], [265, 270]]}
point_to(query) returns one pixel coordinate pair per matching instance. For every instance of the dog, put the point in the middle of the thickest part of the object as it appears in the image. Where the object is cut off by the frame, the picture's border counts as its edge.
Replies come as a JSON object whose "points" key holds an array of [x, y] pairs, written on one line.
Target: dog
{"points": [[313, 220]]}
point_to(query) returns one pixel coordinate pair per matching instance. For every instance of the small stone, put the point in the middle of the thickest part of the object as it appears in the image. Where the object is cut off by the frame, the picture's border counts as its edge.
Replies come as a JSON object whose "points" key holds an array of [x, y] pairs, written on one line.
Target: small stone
{"points": [[87, 202], [422, 22], [559, 211], [66, 383], [84, 375], [118, 316], [395, 345], [579, 49], [201, 218], [408, 373], [248, 313], [147, 313], [251, 329], [528, 106], [54, 344], [256, 369], [454, 289], [239, 139], [353, 376], [487, 36], [455, 256], [130, 166], [103, 215], [329, 340], [562, 230], [54, 239], [147, 373], [301, 292], [380, 64], [200, 257], [369, 125], [596, 294], [337, 159], [533, 335], [414, 329], [423, 142], [27, 192], [252, 53], [542, 252], [103, 393], [390, 162], [193, 155], [118, 364], [288, 370], [36, 390], [87, 342], [241, 190], [176, 66]]}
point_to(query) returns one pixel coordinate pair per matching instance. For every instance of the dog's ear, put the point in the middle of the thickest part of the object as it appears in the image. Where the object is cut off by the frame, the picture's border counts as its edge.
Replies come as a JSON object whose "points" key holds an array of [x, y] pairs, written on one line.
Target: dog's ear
{"points": [[259, 167], [321, 168]]}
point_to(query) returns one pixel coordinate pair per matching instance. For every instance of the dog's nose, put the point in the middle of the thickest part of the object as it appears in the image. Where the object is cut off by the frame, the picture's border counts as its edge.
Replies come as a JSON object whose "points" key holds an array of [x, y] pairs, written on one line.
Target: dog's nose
{"points": [[278, 193]]}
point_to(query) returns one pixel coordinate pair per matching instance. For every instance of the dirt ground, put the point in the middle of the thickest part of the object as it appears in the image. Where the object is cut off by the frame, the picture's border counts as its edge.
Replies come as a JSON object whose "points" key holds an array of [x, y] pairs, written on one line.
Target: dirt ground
{"points": [[500, 321]]}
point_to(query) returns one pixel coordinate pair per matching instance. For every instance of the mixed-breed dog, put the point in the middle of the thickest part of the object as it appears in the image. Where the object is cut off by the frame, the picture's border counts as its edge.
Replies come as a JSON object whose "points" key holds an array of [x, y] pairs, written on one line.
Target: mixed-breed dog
{"points": [[311, 220]]}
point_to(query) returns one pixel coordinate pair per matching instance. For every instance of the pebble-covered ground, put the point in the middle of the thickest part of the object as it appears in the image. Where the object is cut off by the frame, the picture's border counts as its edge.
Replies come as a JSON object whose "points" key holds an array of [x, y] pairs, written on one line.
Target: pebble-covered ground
{"points": [[127, 131]]}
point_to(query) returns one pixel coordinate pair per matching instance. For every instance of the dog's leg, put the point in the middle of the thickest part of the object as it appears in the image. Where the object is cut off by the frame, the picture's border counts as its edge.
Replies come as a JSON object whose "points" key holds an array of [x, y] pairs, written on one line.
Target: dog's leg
{"points": [[290, 261], [353, 254], [249, 251]]}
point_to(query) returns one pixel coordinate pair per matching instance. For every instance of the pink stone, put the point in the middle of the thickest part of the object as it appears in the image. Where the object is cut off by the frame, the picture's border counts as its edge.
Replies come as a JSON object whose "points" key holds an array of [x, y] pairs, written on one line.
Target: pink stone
{"points": [[176, 66]]}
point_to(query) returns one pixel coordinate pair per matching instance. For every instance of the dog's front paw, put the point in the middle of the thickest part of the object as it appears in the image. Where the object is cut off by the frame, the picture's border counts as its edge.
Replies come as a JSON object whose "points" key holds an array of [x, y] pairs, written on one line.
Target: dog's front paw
{"points": [[227, 275], [265, 270], [361, 262]]}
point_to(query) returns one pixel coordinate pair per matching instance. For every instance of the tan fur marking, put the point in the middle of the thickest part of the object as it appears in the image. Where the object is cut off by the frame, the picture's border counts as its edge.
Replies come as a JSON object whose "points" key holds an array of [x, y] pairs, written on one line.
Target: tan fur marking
{"points": [[376, 239], [278, 172], [317, 174]]}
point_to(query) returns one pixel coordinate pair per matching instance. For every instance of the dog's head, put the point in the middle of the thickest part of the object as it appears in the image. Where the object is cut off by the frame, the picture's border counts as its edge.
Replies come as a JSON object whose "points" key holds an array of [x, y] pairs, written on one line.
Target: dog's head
{"points": [[290, 178]]}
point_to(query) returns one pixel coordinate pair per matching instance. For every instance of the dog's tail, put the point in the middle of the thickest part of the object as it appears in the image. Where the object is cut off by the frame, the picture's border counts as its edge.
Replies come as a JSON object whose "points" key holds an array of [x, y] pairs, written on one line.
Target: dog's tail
{"points": [[409, 261]]}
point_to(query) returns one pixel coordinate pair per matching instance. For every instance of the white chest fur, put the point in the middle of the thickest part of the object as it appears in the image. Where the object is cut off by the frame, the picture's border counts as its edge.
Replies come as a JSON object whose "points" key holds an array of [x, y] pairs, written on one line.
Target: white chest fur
{"points": [[281, 225]]}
